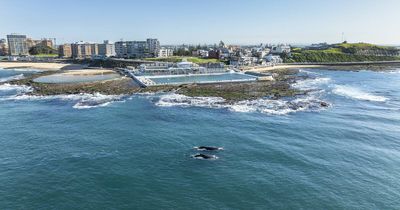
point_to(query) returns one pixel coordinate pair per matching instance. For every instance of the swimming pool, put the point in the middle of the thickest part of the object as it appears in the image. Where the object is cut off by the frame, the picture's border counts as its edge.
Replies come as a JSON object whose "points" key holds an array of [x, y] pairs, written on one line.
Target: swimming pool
{"points": [[201, 78], [62, 78]]}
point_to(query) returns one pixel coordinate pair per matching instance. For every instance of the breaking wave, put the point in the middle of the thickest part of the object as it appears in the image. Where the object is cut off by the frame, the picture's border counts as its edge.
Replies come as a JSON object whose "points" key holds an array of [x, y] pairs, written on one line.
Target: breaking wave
{"points": [[11, 78], [308, 72], [394, 71], [173, 99], [18, 88], [83, 101], [264, 105], [355, 93], [310, 84]]}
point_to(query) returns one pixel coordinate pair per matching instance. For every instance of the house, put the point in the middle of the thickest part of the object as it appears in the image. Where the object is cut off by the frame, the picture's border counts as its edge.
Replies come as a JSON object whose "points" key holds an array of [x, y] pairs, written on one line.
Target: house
{"points": [[279, 49]]}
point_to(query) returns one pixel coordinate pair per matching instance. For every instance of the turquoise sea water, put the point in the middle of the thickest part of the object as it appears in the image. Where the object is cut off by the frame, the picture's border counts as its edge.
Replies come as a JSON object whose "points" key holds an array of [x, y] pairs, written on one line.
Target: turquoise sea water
{"points": [[133, 152], [201, 78]]}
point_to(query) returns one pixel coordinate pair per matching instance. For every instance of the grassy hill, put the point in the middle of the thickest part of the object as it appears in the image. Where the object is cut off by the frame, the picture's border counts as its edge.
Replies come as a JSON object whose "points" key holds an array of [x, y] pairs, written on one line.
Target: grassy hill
{"points": [[344, 52]]}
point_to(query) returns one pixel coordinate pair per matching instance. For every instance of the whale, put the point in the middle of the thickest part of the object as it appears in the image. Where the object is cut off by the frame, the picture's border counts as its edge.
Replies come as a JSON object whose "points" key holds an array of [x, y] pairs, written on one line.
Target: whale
{"points": [[206, 148], [204, 157]]}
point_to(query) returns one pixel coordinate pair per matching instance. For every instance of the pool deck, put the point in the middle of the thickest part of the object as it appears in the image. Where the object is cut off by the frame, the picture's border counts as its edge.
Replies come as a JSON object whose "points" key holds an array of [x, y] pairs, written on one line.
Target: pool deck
{"points": [[147, 80]]}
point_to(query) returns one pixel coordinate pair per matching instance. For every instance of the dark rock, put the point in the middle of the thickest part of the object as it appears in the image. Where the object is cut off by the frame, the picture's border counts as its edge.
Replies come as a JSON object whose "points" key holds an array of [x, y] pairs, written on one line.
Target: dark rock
{"points": [[324, 104]]}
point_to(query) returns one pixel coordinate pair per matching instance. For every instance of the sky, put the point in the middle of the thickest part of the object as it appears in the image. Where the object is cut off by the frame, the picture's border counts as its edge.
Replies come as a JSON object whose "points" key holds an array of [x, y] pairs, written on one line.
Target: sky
{"points": [[204, 21]]}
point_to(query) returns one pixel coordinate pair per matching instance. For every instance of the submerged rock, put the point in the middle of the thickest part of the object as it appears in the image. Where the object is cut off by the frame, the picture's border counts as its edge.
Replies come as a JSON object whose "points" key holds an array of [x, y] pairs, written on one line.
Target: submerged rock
{"points": [[324, 104]]}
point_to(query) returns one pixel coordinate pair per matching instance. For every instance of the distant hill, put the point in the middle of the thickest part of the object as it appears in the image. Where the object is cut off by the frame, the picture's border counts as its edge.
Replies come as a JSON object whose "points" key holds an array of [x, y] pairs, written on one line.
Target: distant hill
{"points": [[344, 52]]}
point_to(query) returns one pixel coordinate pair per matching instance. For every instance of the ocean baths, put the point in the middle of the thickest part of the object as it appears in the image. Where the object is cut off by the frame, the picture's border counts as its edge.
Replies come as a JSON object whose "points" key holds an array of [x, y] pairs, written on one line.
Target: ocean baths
{"points": [[197, 78]]}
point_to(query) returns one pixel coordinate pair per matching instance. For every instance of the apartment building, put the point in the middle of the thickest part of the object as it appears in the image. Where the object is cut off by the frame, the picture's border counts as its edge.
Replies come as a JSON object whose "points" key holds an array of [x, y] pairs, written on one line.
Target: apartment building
{"points": [[17, 45], [65, 51]]}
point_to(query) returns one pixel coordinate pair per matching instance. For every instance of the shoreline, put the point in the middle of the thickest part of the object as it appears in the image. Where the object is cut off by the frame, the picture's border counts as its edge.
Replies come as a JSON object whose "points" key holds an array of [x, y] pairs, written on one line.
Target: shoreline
{"points": [[374, 66], [229, 91], [284, 76]]}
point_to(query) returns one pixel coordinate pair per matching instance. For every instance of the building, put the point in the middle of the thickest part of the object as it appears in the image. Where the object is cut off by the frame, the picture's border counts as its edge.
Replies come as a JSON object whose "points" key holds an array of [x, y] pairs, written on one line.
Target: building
{"points": [[65, 51], [214, 54], [200, 53], [165, 52], [17, 45], [46, 43], [279, 49], [274, 59], [94, 49], [153, 46], [81, 50], [3, 47], [31, 43], [137, 49], [131, 49], [106, 49]]}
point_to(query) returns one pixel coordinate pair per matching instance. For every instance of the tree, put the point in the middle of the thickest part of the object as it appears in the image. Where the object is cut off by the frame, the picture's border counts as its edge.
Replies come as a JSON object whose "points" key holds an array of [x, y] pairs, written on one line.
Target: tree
{"points": [[42, 50]]}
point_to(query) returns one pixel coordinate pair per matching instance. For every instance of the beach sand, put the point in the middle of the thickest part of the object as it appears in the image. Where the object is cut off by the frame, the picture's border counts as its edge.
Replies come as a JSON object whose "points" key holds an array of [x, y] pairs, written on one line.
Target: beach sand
{"points": [[85, 72], [40, 66]]}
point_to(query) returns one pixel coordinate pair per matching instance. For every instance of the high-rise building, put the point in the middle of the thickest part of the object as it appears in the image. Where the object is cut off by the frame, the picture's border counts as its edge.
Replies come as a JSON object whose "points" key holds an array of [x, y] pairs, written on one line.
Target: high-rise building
{"points": [[3, 47], [17, 45], [137, 49], [81, 50], [94, 49], [106, 49], [65, 51], [121, 49], [153, 46]]}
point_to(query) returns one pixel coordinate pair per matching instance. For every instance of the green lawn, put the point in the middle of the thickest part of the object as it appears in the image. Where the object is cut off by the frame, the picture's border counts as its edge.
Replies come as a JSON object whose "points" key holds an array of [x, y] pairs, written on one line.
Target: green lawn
{"points": [[180, 58], [46, 55]]}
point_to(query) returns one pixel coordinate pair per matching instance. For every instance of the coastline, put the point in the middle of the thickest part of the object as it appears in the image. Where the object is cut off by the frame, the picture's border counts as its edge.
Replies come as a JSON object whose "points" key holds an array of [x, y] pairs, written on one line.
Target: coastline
{"points": [[349, 66], [230, 91], [284, 76]]}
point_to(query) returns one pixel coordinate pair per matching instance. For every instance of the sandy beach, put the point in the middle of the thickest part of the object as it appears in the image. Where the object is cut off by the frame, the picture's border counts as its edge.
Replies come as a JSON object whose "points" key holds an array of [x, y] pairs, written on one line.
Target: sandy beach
{"points": [[88, 72], [39, 66]]}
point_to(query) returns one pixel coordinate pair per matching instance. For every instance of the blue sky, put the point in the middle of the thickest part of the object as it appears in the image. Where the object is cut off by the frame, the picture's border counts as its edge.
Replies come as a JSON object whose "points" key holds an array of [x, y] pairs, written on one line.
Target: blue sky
{"points": [[205, 21]]}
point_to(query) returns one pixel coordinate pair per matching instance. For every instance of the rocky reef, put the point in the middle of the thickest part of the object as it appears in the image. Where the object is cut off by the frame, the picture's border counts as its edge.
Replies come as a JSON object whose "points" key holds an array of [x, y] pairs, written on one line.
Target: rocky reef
{"points": [[229, 91]]}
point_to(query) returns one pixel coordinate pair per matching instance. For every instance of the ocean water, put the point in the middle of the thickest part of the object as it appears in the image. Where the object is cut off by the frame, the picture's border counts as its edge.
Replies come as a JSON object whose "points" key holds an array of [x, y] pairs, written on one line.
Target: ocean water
{"points": [[133, 152]]}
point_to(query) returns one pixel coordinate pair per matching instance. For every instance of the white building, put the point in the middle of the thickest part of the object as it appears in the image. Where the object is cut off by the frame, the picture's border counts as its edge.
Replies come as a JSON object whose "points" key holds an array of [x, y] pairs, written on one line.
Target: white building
{"points": [[17, 45], [106, 49], [185, 65], [279, 49], [200, 53], [165, 52], [153, 46], [137, 49], [274, 59]]}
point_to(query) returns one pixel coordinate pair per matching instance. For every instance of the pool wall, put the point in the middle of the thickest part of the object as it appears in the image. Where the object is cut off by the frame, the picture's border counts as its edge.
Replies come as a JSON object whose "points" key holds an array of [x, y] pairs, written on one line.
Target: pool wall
{"points": [[197, 78]]}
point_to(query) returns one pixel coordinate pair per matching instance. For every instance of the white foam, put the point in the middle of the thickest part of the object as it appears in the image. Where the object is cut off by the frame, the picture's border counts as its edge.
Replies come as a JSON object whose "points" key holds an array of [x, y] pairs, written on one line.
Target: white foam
{"points": [[83, 101], [18, 88], [81, 105], [264, 105], [309, 84], [182, 100], [393, 71], [11, 78], [355, 93], [308, 72]]}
